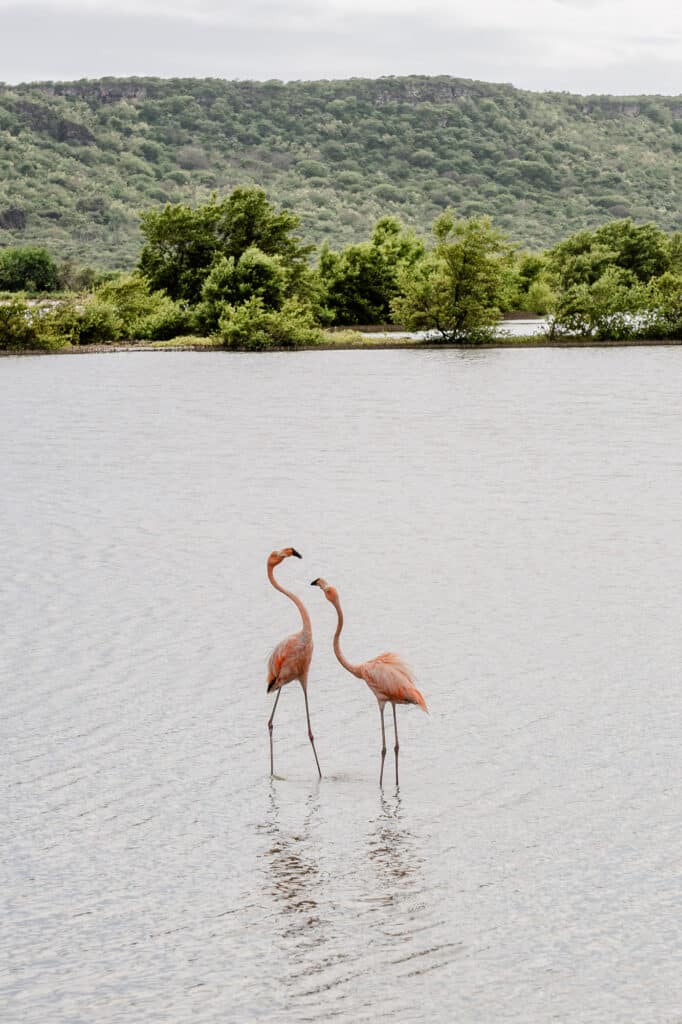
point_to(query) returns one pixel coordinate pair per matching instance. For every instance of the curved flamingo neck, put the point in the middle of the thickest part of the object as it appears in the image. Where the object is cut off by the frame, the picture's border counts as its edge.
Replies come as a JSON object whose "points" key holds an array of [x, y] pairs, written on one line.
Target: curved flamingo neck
{"points": [[307, 625], [353, 669]]}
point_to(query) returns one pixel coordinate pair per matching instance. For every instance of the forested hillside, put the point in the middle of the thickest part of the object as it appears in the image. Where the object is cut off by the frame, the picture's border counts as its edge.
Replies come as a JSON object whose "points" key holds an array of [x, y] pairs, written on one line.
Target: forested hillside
{"points": [[79, 161]]}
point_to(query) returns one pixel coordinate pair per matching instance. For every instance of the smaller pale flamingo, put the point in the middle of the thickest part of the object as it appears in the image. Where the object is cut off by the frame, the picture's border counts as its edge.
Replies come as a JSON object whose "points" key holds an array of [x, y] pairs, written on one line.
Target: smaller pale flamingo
{"points": [[291, 657], [387, 675]]}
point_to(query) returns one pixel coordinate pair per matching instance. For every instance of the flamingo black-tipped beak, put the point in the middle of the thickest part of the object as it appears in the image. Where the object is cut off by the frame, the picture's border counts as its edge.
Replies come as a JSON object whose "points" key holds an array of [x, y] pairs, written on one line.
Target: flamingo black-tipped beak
{"points": [[315, 582], [295, 553]]}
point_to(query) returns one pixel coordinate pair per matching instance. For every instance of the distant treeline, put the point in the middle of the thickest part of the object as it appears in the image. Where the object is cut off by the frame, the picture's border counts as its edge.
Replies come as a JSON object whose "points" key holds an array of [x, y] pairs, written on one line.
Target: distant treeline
{"points": [[235, 269], [79, 160]]}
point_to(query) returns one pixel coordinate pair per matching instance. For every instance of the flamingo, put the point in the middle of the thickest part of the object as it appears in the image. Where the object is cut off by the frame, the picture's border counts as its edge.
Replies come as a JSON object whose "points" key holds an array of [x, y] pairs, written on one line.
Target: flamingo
{"points": [[291, 657], [387, 675]]}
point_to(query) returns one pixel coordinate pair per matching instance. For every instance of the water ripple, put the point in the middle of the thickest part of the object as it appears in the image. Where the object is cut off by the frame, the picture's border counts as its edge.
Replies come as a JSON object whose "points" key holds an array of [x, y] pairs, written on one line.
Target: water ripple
{"points": [[508, 520]]}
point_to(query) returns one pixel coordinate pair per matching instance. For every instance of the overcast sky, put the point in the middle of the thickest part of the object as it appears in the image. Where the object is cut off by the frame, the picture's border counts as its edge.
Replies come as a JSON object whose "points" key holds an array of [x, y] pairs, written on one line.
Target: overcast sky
{"points": [[616, 46]]}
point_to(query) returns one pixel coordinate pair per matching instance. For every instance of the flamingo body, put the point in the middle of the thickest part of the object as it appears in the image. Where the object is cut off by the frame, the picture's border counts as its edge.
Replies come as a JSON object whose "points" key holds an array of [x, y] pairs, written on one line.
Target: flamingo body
{"points": [[388, 677], [391, 680], [291, 658]]}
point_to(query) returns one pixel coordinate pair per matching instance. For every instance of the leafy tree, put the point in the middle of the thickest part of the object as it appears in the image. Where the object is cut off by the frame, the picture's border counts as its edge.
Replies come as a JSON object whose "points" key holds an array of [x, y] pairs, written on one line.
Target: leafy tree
{"points": [[529, 267], [457, 288], [539, 297], [248, 219], [362, 281], [29, 269], [182, 244], [643, 250], [253, 275], [528, 287], [604, 309], [579, 259]]}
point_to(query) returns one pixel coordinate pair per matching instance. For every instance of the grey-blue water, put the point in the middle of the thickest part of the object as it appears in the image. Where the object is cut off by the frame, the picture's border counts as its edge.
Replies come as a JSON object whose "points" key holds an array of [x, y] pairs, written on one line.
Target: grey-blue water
{"points": [[509, 521]]}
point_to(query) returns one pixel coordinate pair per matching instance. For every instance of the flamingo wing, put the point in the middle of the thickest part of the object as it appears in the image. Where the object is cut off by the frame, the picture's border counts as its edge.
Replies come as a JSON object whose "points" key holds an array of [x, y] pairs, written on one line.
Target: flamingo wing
{"points": [[289, 660], [390, 679]]}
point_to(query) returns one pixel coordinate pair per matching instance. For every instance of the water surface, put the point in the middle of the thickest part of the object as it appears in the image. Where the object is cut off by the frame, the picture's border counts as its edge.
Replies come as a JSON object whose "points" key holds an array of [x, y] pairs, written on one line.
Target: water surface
{"points": [[511, 521]]}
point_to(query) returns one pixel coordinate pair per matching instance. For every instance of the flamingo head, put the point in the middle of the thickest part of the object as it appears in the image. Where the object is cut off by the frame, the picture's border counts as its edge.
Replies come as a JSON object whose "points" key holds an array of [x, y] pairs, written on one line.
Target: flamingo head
{"points": [[328, 591], [278, 556]]}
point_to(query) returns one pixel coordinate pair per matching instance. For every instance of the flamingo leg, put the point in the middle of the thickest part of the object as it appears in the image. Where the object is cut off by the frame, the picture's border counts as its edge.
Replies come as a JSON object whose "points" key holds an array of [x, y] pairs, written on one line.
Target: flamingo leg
{"points": [[383, 745], [274, 708], [397, 745], [310, 732]]}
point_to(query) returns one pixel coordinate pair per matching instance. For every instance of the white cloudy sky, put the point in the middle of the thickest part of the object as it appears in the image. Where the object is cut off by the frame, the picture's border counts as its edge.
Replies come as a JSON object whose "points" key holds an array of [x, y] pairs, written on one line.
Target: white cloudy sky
{"points": [[618, 46]]}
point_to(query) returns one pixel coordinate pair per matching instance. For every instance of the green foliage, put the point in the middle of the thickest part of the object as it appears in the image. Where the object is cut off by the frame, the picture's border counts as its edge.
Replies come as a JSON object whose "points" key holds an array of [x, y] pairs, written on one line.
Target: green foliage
{"points": [[29, 269], [79, 160], [362, 281], [661, 316], [86, 322], [20, 327], [457, 289], [166, 320], [641, 251], [74, 277], [615, 282], [603, 309], [539, 298], [251, 326], [180, 246], [579, 260], [140, 312], [128, 295], [183, 244], [528, 286], [253, 275]]}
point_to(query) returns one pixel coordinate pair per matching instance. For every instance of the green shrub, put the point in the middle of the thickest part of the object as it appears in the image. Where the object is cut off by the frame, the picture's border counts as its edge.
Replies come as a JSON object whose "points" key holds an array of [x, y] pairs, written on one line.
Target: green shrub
{"points": [[30, 269], [99, 323], [250, 326], [539, 297], [83, 323], [142, 313], [168, 320], [312, 169], [20, 327]]}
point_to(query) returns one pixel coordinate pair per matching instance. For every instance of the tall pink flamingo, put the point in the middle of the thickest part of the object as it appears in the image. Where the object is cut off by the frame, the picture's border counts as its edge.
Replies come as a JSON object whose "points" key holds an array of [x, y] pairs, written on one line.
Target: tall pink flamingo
{"points": [[387, 675], [291, 657]]}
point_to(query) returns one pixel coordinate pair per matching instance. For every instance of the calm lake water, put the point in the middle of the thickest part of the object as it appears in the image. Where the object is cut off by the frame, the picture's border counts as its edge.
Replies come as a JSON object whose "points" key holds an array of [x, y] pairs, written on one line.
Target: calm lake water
{"points": [[510, 521]]}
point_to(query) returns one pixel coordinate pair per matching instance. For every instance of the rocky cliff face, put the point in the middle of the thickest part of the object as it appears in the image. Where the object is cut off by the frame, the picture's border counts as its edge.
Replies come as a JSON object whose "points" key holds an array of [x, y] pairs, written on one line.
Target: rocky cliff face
{"points": [[42, 119]]}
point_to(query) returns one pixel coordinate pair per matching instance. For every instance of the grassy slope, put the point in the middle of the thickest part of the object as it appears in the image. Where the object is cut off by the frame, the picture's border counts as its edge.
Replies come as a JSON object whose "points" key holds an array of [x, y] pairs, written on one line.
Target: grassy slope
{"points": [[78, 161]]}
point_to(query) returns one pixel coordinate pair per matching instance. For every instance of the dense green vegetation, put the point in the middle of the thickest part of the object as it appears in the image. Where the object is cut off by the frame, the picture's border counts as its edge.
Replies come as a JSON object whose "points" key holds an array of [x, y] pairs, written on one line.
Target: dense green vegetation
{"points": [[79, 161], [458, 289], [235, 270]]}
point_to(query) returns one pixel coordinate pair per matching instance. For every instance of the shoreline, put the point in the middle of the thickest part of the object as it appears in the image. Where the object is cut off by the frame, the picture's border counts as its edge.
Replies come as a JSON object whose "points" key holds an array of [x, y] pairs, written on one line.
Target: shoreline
{"points": [[345, 346]]}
